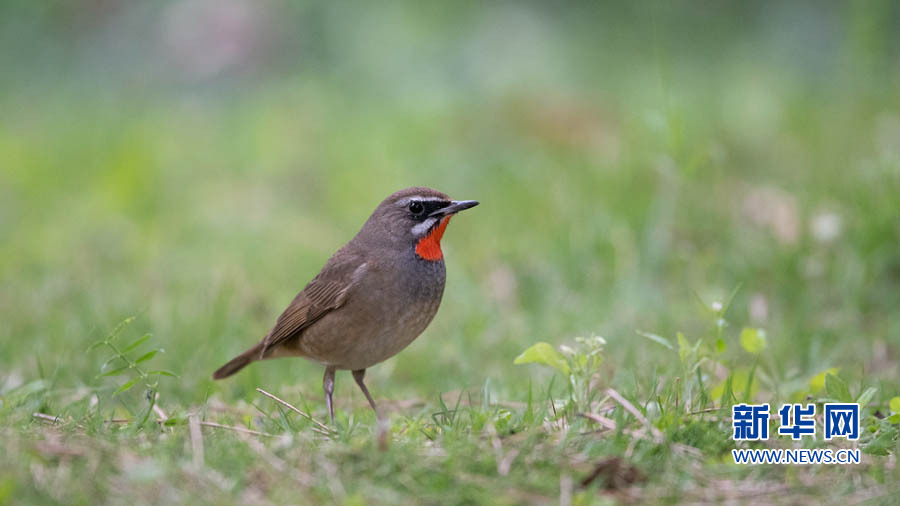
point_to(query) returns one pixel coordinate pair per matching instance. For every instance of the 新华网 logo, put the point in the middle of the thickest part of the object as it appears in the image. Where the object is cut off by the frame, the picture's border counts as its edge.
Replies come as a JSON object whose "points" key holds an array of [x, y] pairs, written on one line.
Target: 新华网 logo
{"points": [[750, 422]]}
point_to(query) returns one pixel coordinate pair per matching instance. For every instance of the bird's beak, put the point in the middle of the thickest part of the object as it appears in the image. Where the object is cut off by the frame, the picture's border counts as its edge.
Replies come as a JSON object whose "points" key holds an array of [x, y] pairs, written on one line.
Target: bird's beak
{"points": [[454, 207]]}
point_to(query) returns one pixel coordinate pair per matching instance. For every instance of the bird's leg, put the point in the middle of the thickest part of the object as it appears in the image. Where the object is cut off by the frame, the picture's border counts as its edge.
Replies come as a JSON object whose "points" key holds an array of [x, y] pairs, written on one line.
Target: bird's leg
{"points": [[328, 386], [383, 424], [358, 375]]}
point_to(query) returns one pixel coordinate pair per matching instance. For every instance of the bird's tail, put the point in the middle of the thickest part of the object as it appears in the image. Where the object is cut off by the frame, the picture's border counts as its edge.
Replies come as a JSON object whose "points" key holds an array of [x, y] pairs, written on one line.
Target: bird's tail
{"points": [[237, 363]]}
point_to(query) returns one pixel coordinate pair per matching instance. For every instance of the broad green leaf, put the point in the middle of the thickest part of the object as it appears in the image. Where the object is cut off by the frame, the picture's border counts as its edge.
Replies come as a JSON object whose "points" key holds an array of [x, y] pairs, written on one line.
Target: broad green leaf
{"points": [[126, 386], [146, 356], [720, 345], [895, 405], [684, 347], [136, 343], [543, 353], [817, 383], [753, 340], [581, 360], [866, 397], [657, 339], [836, 388], [881, 445]]}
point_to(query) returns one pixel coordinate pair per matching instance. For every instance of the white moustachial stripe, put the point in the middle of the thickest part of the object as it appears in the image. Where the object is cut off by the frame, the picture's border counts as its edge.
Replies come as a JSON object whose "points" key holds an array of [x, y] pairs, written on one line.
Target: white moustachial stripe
{"points": [[421, 229]]}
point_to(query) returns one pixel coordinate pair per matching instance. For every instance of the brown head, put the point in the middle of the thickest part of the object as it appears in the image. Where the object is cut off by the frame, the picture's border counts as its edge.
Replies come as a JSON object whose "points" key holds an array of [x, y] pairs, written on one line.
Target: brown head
{"points": [[412, 218]]}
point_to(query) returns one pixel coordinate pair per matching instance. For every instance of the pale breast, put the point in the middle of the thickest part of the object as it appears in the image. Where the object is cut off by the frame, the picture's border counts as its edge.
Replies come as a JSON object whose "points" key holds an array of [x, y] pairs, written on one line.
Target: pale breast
{"points": [[381, 317]]}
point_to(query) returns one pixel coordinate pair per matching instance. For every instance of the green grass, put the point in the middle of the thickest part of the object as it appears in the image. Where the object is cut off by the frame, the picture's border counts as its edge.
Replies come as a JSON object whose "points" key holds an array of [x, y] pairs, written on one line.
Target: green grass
{"points": [[635, 168]]}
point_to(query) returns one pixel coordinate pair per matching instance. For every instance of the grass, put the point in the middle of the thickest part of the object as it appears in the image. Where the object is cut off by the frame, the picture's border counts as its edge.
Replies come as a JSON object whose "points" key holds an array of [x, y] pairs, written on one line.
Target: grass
{"points": [[712, 193]]}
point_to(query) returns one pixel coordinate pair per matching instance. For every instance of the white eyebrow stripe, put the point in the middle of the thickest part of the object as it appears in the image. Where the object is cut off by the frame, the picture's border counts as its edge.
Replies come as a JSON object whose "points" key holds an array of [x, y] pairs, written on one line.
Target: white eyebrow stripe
{"points": [[420, 198]]}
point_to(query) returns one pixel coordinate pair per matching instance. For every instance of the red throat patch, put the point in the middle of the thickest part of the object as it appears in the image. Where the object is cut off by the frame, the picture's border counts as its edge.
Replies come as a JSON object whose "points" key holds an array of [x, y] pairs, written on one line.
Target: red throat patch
{"points": [[429, 247]]}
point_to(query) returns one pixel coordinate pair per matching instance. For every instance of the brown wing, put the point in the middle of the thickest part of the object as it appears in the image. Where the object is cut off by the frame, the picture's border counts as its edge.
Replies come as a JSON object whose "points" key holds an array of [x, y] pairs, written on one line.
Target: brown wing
{"points": [[324, 293]]}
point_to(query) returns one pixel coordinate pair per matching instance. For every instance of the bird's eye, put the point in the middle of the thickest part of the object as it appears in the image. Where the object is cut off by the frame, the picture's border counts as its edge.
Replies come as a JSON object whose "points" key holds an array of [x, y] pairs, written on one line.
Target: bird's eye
{"points": [[416, 207]]}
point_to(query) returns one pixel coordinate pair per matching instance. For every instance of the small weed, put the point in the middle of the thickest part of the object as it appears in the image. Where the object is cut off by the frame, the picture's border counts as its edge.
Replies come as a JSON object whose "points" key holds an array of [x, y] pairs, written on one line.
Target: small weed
{"points": [[131, 362]]}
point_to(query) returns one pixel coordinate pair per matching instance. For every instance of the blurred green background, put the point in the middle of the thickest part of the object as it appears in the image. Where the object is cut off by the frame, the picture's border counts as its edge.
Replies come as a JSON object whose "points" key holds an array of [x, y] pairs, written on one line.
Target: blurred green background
{"points": [[194, 163]]}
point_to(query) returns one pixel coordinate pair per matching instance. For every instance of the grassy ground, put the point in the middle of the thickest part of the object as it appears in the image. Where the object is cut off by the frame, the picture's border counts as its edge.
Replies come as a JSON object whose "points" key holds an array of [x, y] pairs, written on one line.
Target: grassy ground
{"points": [[732, 177]]}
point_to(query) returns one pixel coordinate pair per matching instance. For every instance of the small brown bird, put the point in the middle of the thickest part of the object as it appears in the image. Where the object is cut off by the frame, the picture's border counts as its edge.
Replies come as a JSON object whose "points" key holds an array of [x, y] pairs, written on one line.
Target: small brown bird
{"points": [[372, 298]]}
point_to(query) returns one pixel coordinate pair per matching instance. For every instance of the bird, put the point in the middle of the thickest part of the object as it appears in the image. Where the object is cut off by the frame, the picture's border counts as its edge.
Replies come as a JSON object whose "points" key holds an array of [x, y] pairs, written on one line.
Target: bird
{"points": [[372, 298]]}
